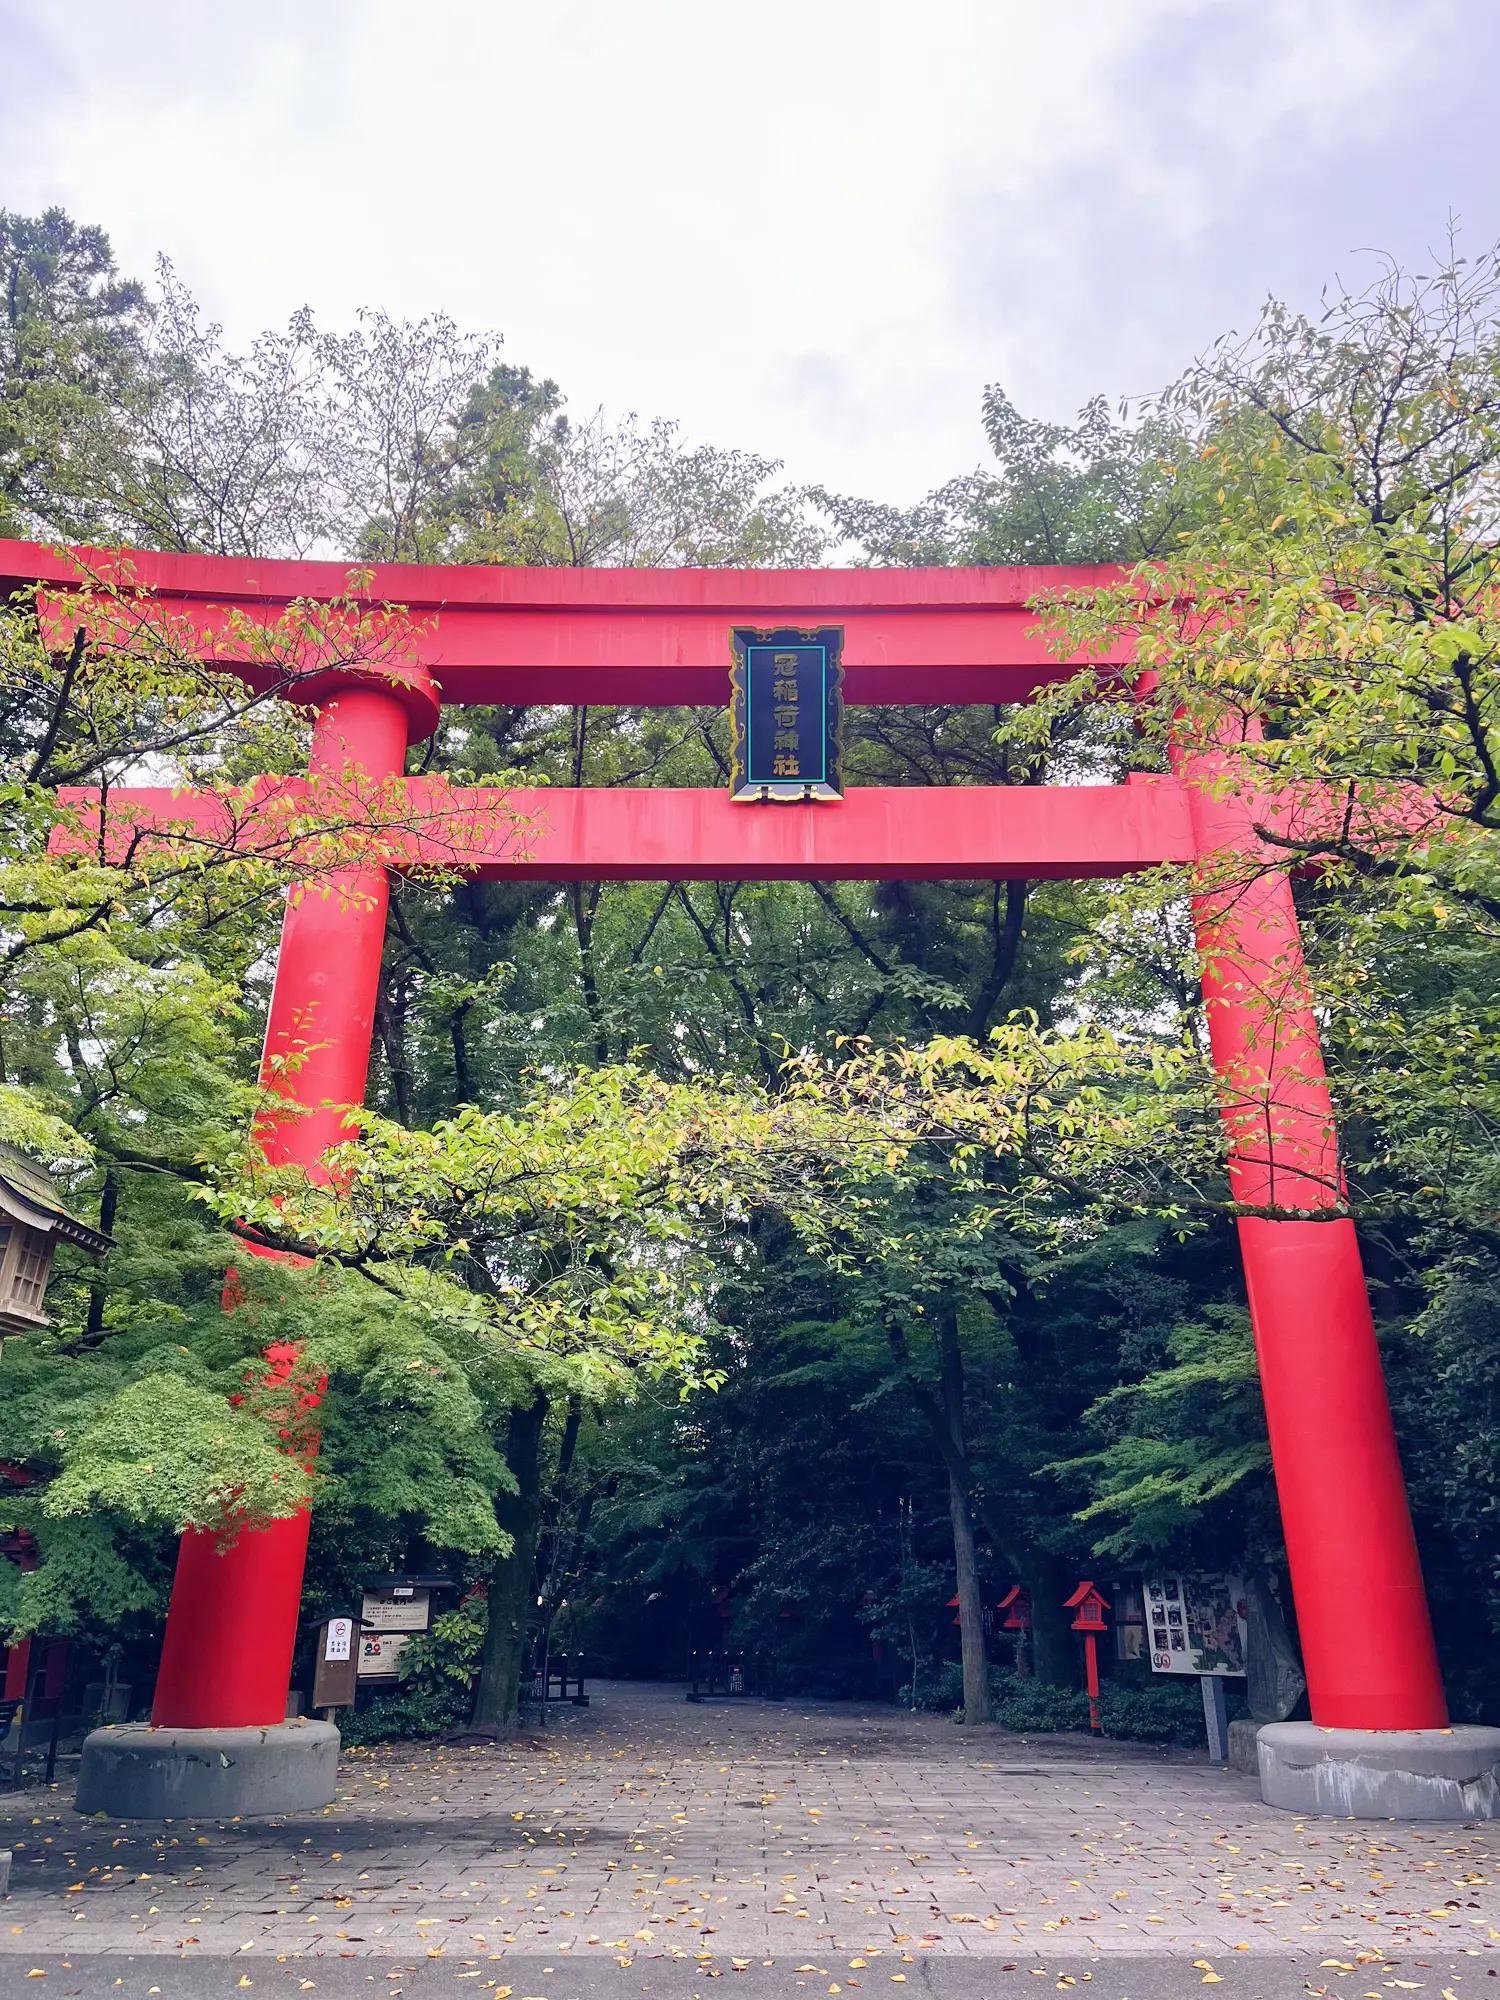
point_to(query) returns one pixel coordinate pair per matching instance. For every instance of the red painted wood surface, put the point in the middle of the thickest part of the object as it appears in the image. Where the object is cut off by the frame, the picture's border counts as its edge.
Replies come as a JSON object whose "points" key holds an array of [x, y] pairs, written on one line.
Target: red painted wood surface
{"points": [[232, 1623], [652, 638], [915, 833], [1344, 1510]]}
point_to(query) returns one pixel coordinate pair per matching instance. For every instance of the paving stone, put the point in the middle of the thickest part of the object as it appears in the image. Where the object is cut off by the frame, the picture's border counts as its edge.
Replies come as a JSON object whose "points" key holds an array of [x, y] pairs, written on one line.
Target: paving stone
{"points": [[657, 1831]]}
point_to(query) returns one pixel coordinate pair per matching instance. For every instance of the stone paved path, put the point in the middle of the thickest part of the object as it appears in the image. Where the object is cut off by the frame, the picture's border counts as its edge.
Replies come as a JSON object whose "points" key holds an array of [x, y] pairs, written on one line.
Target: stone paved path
{"points": [[852, 1846]]}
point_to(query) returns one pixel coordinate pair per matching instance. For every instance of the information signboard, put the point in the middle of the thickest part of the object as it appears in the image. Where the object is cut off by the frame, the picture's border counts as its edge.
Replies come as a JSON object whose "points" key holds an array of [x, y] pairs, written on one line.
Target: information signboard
{"points": [[380, 1654], [786, 710], [1196, 1624], [399, 1610], [389, 1618]]}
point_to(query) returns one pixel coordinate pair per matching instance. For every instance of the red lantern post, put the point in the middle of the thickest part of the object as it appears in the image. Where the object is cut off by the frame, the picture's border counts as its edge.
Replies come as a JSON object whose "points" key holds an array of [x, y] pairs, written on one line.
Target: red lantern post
{"points": [[1016, 1604], [1090, 1608]]}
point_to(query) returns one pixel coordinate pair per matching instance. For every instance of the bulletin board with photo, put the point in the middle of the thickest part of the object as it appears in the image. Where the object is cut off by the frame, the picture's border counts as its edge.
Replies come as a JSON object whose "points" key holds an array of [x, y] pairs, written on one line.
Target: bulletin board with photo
{"points": [[1196, 1624]]}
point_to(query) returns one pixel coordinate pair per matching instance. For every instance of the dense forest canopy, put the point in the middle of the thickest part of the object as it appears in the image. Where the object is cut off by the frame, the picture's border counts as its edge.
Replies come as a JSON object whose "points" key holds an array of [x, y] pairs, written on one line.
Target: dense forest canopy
{"points": [[765, 1369]]}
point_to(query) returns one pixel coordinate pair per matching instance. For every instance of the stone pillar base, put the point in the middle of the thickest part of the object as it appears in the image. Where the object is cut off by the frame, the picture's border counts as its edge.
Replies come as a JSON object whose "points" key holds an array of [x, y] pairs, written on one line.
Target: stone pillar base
{"points": [[132, 1771], [1244, 1754], [1437, 1774]]}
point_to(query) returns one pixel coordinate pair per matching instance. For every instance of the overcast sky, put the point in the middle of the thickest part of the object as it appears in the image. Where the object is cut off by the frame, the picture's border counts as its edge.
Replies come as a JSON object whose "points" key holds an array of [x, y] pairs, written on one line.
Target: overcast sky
{"points": [[814, 228]]}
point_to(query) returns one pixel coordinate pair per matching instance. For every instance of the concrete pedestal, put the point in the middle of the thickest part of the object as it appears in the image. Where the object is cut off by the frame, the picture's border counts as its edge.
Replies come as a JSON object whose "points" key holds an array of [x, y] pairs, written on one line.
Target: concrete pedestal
{"points": [[1244, 1752], [132, 1771], [1437, 1774]]}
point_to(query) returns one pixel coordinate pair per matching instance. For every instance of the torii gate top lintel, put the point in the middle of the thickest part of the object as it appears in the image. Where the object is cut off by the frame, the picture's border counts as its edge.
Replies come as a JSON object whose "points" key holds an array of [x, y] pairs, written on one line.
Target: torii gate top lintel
{"points": [[638, 637]]}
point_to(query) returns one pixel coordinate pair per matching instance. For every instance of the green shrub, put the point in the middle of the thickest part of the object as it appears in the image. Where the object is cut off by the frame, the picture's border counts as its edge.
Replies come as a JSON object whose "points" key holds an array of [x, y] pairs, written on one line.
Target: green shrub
{"points": [[940, 1686], [437, 1669], [1167, 1711], [1035, 1706]]}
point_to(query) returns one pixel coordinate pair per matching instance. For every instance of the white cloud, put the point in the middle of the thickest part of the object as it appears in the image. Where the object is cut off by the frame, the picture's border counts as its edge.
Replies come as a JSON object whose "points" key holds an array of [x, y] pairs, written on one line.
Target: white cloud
{"points": [[813, 228]]}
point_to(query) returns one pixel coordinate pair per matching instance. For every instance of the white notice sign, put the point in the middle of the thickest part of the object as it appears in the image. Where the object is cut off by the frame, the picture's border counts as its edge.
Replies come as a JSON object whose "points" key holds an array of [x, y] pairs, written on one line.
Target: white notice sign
{"points": [[404, 1613], [339, 1639]]}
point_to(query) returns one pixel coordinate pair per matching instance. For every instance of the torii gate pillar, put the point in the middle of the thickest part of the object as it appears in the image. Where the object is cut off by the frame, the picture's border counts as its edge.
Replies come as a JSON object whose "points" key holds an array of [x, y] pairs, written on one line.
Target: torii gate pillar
{"points": [[232, 1623]]}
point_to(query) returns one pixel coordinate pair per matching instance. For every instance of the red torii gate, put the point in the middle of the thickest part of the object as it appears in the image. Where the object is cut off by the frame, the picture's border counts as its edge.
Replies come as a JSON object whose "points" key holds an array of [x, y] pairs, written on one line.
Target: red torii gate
{"points": [[661, 638]]}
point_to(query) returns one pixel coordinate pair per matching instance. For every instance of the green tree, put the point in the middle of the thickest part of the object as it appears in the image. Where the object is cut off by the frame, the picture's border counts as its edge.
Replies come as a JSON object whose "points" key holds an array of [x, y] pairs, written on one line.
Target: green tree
{"points": [[1095, 491], [70, 340]]}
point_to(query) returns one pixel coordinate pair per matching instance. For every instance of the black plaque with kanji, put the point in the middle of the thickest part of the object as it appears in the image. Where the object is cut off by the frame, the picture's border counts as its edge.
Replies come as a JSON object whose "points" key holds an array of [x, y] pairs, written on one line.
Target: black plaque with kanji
{"points": [[787, 707]]}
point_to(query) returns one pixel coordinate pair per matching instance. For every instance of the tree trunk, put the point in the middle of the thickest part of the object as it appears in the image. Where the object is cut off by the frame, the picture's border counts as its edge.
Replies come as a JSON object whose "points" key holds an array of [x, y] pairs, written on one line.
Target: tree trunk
{"points": [[970, 1605], [583, 899], [965, 1558], [946, 1419], [390, 1029], [109, 1202], [1274, 1682], [497, 1702], [1054, 1650], [1005, 946]]}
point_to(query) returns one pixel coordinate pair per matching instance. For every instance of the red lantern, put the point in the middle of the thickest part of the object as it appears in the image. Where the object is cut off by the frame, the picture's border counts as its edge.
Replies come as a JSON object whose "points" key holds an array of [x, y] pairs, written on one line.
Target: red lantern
{"points": [[1089, 1607], [1016, 1604]]}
